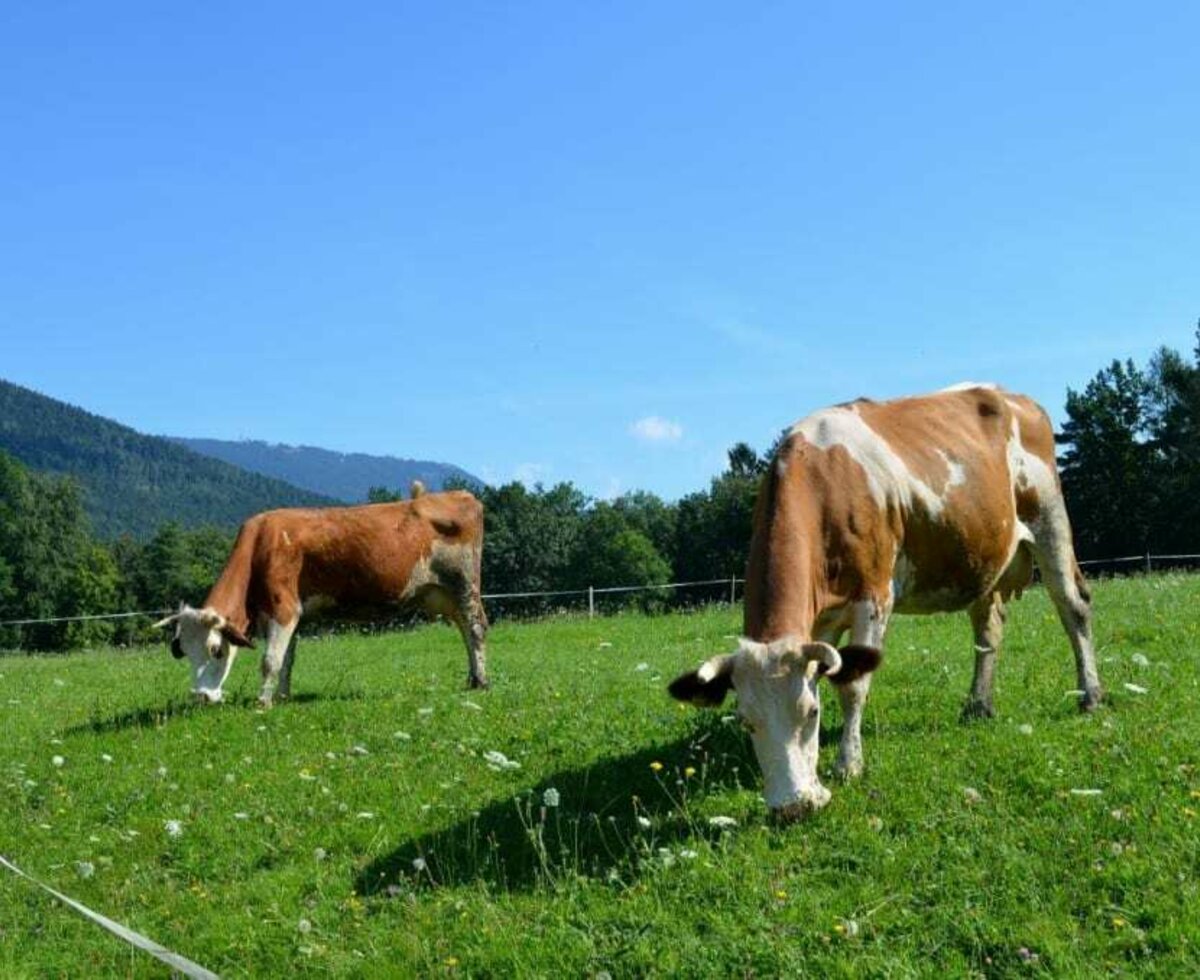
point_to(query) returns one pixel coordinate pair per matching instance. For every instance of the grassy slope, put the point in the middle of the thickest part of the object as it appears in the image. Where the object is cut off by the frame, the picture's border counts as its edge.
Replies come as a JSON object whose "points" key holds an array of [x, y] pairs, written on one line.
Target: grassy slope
{"points": [[900, 876]]}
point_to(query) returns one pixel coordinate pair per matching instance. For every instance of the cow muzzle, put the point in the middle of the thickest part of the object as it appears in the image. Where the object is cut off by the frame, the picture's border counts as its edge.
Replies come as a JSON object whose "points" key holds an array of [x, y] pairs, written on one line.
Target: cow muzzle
{"points": [[208, 697], [801, 808]]}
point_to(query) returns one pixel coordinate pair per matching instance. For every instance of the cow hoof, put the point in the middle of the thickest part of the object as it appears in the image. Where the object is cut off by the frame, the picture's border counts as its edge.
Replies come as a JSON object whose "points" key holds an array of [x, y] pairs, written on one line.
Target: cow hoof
{"points": [[845, 771], [265, 703], [1091, 701], [976, 710], [477, 684]]}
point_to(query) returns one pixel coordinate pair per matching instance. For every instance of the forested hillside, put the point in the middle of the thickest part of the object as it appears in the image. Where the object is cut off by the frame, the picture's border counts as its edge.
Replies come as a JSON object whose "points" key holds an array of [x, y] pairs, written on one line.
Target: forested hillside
{"points": [[346, 476], [133, 483]]}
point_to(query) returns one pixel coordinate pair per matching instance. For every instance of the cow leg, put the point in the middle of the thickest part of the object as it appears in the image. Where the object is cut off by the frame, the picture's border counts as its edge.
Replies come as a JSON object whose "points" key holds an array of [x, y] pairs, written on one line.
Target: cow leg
{"points": [[1055, 557], [472, 623], [868, 626], [279, 638], [987, 621], [285, 674]]}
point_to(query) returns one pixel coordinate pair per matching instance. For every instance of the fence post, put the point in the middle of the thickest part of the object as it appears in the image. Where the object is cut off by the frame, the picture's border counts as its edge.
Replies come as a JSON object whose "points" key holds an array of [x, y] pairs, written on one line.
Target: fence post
{"points": [[591, 602], [1147, 561], [733, 589]]}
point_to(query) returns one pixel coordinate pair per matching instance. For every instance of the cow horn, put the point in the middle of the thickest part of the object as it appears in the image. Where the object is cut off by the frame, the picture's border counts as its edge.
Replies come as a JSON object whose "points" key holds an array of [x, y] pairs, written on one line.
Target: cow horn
{"points": [[165, 622], [828, 660]]}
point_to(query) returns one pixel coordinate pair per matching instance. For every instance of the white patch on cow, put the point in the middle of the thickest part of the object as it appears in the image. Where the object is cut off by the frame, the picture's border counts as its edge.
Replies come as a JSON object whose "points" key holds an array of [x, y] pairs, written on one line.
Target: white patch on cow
{"points": [[209, 653], [969, 385], [957, 472], [888, 478]]}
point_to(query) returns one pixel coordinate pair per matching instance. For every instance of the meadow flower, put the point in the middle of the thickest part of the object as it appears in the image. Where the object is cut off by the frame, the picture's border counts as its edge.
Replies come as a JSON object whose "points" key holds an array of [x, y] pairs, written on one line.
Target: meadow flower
{"points": [[1135, 688], [499, 762], [58, 761], [971, 795], [304, 927], [689, 772], [402, 736], [875, 823], [241, 815], [550, 797], [105, 757], [306, 775], [722, 823], [85, 869], [642, 666], [366, 815], [424, 712], [656, 766], [319, 854], [688, 854], [162, 772], [644, 823], [1025, 729], [359, 750], [173, 828], [471, 705], [419, 864], [1140, 660]]}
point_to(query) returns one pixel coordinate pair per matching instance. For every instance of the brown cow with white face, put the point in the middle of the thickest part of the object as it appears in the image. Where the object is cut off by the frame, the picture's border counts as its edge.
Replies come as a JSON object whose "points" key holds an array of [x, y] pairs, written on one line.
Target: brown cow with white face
{"points": [[421, 554], [918, 505]]}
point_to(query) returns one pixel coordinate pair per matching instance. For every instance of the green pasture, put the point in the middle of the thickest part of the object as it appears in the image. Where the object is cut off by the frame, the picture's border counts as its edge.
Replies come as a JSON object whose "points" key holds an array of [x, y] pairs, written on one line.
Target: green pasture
{"points": [[387, 822]]}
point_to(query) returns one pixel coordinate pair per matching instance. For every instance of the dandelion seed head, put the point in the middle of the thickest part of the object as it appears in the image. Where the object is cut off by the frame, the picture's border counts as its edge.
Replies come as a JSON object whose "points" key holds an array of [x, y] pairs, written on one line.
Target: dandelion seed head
{"points": [[550, 798], [173, 828]]}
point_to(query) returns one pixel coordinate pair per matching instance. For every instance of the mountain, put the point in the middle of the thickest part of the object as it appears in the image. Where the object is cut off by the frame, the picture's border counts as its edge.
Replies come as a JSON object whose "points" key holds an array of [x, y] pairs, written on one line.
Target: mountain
{"points": [[347, 476], [134, 483]]}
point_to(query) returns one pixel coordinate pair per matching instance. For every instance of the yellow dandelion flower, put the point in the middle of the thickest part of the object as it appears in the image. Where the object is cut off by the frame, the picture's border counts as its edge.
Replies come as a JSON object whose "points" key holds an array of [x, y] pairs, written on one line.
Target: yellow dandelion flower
{"points": [[690, 771], [656, 766]]}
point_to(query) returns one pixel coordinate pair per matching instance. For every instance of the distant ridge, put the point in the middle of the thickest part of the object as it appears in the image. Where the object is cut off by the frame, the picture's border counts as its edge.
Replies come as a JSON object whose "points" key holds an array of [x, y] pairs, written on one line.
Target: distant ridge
{"points": [[135, 483], [347, 476]]}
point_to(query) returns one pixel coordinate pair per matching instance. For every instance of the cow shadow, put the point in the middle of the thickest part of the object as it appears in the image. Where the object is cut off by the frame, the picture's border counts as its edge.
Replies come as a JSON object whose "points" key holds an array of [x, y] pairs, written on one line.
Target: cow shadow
{"points": [[145, 717], [611, 817]]}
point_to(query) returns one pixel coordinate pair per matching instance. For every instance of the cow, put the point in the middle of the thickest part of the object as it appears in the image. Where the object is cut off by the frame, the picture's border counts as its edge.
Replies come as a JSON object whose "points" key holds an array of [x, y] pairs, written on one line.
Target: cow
{"points": [[422, 554], [925, 504]]}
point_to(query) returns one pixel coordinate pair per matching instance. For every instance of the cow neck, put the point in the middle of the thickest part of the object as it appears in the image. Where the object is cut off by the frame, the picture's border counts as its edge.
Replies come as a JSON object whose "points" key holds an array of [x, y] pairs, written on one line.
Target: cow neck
{"points": [[783, 584], [230, 594]]}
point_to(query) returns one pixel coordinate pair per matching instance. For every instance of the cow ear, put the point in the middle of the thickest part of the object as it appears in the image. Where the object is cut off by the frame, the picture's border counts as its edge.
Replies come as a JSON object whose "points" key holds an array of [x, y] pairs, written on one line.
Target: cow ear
{"points": [[706, 686], [857, 661], [236, 636]]}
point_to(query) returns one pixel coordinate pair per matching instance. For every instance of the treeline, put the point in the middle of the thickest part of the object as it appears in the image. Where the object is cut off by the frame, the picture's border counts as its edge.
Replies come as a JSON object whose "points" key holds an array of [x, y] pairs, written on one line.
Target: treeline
{"points": [[1130, 458], [1130, 463]]}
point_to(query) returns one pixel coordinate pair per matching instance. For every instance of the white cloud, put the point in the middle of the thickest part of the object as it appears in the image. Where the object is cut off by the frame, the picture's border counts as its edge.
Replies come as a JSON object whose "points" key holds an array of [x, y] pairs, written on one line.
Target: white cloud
{"points": [[531, 473], [655, 429]]}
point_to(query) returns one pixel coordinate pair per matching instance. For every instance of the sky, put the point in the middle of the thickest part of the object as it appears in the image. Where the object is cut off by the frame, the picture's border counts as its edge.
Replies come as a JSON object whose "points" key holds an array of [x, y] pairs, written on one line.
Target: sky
{"points": [[589, 242]]}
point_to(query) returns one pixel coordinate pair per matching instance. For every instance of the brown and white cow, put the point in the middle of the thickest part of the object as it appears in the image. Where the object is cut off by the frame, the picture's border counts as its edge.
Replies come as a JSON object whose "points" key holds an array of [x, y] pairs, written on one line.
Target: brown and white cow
{"points": [[920, 505], [423, 554]]}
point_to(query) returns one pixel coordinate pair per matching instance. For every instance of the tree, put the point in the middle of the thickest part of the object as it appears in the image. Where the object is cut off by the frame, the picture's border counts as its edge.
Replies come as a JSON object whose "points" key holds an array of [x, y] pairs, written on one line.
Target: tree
{"points": [[1110, 468]]}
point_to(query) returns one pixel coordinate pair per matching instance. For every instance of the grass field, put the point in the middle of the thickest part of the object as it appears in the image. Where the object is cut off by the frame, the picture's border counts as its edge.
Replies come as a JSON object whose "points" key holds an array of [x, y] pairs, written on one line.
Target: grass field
{"points": [[364, 829]]}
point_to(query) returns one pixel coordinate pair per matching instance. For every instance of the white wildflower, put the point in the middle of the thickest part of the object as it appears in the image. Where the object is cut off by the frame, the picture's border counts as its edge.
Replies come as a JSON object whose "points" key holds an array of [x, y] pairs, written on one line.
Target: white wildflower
{"points": [[320, 854], [471, 705], [1135, 688], [722, 823], [550, 797], [105, 757], [366, 815], [499, 762], [665, 855], [642, 666], [85, 869], [419, 864], [304, 927], [162, 772], [230, 777], [307, 776], [1086, 792], [875, 823], [1025, 729], [241, 815], [424, 712], [359, 750], [173, 828], [1140, 660], [971, 795], [605, 645], [644, 823], [688, 854], [58, 761], [402, 736]]}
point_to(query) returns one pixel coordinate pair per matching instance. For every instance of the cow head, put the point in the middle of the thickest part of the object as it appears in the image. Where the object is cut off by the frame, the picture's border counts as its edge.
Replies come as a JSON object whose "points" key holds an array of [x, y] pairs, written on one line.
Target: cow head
{"points": [[779, 703], [210, 642]]}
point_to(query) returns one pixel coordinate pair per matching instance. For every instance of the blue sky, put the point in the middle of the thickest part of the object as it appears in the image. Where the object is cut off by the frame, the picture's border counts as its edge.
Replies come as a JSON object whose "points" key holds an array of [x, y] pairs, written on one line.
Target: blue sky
{"points": [[597, 243]]}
